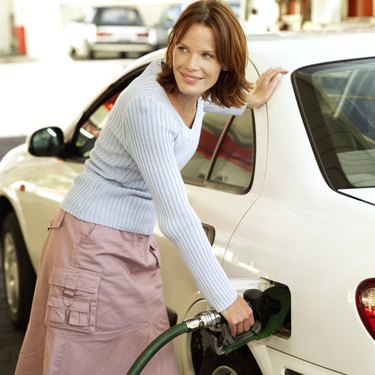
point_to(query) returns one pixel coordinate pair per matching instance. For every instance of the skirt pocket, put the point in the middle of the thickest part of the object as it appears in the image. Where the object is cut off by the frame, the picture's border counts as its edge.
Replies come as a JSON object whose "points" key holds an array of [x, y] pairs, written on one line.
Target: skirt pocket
{"points": [[72, 300]]}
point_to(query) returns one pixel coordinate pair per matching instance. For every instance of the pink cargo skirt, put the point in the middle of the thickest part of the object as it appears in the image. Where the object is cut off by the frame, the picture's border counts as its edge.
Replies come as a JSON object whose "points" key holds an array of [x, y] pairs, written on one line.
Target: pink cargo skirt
{"points": [[98, 303]]}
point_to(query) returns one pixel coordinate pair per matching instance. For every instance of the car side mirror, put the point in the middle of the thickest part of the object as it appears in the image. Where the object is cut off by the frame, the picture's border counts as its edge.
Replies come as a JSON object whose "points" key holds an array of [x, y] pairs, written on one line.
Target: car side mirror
{"points": [[47, 142]]}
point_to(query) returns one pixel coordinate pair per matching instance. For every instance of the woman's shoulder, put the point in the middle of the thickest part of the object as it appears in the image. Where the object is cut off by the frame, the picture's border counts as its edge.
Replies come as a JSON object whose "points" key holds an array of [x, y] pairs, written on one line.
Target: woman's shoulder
{"points": [[154, 67], [148, 78], [145, 85]]}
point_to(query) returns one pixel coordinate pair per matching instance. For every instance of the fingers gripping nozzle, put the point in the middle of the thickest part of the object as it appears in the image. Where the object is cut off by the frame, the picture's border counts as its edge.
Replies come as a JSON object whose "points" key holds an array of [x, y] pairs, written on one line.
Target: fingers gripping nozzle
{"points": [[222, 342]]}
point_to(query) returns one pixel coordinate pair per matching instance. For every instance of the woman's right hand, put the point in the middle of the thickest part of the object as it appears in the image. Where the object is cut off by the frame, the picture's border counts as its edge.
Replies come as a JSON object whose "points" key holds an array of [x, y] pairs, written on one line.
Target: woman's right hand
{"points": [[239, 316], [265, 86]]}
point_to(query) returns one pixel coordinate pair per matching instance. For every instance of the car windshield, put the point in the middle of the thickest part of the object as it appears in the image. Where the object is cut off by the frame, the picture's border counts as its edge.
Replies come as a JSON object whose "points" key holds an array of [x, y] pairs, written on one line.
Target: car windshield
{"points": [[337, 102]]}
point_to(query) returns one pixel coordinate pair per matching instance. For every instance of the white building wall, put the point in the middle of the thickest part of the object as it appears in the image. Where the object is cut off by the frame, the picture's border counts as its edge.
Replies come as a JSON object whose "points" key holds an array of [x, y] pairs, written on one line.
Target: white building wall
{"points": [[5, 26], [42, 27], [324, 12]]}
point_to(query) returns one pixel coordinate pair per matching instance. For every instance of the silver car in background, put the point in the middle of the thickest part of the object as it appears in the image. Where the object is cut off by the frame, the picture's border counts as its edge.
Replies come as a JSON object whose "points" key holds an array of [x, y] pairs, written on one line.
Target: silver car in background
{"points": [[110, 29]]}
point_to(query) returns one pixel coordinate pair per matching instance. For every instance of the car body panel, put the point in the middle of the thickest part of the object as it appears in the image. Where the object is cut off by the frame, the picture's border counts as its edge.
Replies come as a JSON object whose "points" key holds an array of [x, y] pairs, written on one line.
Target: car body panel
{"points": [[365, 194], [284, 243], [278, 362], [43, 187]]}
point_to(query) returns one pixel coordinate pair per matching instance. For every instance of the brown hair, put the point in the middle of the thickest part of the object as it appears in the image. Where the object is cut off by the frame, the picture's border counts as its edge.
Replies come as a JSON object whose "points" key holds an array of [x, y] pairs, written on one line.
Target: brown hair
{"points": [[232, 88]]}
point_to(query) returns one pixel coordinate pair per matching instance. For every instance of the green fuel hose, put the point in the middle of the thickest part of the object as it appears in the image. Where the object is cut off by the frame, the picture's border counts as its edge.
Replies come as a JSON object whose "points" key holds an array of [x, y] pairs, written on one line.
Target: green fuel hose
{"points": [[270, 310], [156, 345]]}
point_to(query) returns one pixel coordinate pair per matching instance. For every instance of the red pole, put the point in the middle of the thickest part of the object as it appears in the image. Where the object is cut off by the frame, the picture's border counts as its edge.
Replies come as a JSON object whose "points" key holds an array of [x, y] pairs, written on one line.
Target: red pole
{"points": [[360, 8], [19, 33]]}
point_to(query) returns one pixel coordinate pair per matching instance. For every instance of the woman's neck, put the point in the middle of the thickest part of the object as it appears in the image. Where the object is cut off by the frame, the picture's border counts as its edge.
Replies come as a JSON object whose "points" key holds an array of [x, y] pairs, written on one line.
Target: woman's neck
{"points": [[186, 107]]}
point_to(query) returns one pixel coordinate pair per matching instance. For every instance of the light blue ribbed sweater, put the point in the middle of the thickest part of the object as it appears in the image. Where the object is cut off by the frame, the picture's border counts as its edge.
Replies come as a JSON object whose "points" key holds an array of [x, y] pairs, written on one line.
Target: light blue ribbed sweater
{"points": [[133, 176]]}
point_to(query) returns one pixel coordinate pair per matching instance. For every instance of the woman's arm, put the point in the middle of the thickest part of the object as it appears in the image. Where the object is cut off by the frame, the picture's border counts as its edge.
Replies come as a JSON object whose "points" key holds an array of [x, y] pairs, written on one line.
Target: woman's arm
{"points": [[150, 139]]}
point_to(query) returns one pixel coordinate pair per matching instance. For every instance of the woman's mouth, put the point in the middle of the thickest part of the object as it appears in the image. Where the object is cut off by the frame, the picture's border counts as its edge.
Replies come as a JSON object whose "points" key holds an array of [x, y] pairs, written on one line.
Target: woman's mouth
{"points": [[189, 78]]}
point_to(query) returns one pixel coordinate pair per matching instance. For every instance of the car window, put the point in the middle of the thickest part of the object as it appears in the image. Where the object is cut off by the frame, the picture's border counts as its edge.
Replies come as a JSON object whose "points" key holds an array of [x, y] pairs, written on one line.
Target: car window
{"points": [[90, 130], [337, 101], [198, 166], [234, 162], [225, 155], [95, 116], [119, 16], [169, 18]]}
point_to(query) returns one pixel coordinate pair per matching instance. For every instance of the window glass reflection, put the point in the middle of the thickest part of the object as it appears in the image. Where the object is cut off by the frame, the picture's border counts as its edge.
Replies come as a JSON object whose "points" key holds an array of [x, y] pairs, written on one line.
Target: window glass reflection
{"points": [[234, 163], [338, 101], [90, 130], [225, 154]]}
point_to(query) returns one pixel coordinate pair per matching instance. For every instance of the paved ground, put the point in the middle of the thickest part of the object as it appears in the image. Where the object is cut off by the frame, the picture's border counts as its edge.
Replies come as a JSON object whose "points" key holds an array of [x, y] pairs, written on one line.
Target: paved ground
{"points": [[10, 338], [7, 143]]}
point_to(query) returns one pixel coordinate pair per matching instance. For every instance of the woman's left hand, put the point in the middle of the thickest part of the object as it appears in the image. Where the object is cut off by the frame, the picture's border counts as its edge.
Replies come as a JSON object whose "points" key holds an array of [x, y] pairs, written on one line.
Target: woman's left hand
{"points": [[265, 86]]}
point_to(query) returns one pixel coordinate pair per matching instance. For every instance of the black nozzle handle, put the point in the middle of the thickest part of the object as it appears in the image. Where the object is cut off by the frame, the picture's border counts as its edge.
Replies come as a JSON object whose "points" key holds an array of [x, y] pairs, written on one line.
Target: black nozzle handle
{"points": [[261, 304]]}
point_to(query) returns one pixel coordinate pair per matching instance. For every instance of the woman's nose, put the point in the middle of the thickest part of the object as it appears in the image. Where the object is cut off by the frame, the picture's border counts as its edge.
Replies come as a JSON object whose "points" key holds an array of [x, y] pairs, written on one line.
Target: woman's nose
{"points": [[192, 62]]}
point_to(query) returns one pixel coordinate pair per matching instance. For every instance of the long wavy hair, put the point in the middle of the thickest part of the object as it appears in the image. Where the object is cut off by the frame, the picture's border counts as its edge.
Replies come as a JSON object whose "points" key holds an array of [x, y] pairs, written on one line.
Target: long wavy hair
{"points": [[231, 88]]}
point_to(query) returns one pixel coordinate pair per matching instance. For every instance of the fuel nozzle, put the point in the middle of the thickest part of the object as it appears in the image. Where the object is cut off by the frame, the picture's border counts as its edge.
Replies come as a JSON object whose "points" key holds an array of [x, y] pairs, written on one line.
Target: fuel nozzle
{"points": [[206, 319], [263, 307], [262, 304]]}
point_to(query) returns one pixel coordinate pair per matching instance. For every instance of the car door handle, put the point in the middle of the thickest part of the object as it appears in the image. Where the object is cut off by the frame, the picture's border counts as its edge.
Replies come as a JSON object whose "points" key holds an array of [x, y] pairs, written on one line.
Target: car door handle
{"points": [[210, 232]]}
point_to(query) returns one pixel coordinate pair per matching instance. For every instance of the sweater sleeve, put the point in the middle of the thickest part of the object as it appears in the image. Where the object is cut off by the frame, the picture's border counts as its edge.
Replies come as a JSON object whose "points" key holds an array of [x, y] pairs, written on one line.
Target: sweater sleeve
{"points": [[150, 141], [229, 111]]}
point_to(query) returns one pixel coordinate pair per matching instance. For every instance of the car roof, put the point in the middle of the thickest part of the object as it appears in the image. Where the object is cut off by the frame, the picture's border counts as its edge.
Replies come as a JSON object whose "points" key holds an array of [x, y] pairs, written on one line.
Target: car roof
{"points": [[102, 4], [296, 49]]}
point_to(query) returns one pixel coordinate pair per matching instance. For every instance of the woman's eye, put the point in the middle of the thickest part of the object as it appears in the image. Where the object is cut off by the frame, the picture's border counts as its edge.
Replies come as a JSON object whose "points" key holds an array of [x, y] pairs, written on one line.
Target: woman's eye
{"points": [[182, 49]]}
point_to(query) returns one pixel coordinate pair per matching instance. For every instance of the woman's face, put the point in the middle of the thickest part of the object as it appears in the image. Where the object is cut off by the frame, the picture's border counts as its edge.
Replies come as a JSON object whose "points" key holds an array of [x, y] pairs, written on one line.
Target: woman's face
{"points": [[195, 66]]}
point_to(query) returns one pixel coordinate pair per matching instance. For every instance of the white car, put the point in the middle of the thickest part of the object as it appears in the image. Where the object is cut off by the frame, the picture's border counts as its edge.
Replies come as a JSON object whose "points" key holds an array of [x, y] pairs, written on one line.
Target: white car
{"points": [[286, 193], [109, 29]]}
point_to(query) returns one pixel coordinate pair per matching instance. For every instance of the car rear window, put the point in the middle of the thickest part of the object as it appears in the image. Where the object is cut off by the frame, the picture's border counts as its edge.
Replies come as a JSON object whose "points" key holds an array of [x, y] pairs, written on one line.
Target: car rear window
{"points": [[337, 102], [121, 16]]}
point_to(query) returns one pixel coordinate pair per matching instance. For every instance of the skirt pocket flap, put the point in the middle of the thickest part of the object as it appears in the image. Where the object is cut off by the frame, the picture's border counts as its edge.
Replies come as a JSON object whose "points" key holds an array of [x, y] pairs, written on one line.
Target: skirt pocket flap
{"points": [[75, 279], [78, 319], [79, 314]]}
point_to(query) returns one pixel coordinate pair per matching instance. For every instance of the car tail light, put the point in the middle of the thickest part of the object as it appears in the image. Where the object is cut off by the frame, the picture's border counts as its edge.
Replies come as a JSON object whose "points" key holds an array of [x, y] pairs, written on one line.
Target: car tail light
{"points": [[103, 34], [143, 35], [365, 299]]}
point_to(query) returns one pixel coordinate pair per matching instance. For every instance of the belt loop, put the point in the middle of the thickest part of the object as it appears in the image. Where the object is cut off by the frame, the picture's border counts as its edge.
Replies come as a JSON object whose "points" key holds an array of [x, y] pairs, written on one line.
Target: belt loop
{"points": [[70, 285]]}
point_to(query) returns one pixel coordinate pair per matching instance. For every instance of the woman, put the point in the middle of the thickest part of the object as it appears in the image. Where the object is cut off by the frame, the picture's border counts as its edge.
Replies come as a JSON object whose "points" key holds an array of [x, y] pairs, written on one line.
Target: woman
{"points": [[98, 301]]}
